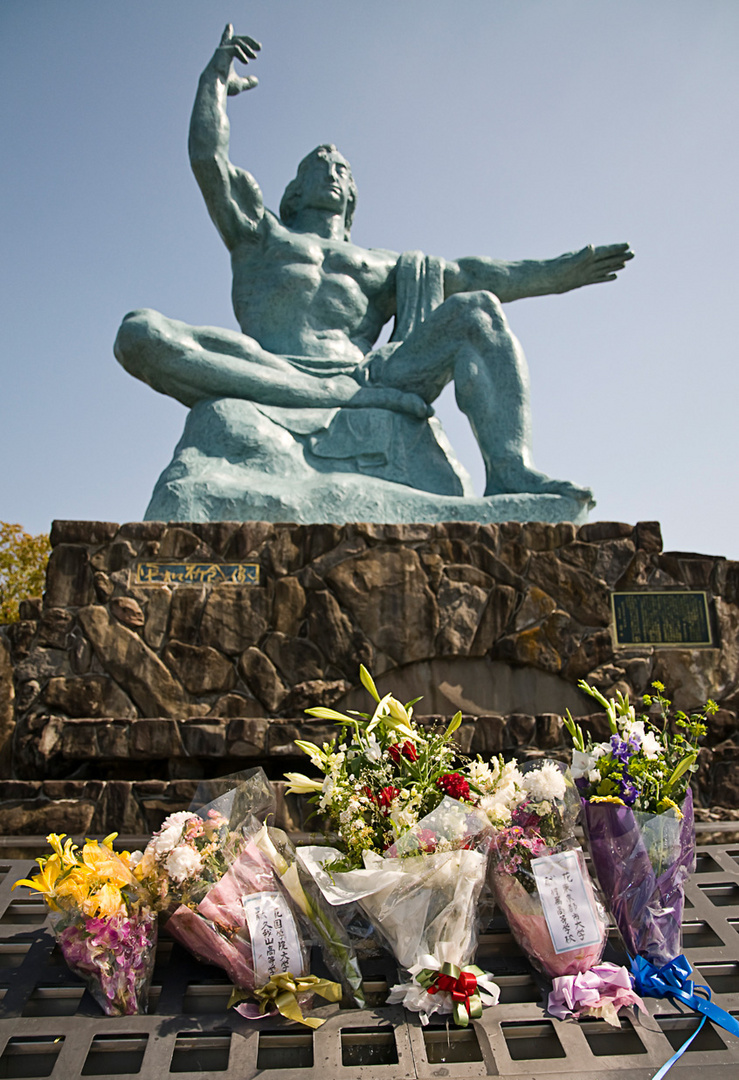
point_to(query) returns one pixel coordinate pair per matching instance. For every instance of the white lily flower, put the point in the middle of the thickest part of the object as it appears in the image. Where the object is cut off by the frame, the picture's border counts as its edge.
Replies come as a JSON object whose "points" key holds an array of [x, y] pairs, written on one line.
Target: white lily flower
{"points": [[302, 785]]}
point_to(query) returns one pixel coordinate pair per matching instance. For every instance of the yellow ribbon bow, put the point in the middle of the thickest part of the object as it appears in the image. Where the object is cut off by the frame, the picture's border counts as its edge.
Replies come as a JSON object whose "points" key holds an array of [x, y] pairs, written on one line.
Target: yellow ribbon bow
{"points": [[281, 993]]}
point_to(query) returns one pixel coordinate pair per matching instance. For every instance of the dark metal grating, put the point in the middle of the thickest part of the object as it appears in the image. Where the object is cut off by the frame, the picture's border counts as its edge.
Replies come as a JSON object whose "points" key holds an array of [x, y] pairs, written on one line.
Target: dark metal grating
{"points": [[51, 1027]]}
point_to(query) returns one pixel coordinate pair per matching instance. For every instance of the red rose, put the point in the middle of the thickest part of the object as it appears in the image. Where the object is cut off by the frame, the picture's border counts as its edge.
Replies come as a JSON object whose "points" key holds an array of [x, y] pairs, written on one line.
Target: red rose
{"points": [[386, 796], [407, 750], [454, 785]]}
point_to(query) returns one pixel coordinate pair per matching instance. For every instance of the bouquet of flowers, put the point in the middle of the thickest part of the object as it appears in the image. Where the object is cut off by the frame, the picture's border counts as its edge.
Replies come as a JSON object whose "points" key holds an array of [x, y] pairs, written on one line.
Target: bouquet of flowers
{"points": [[187, 856], [639, 817], [539, 877], [229, 905], [102, 919], [414, 840]]}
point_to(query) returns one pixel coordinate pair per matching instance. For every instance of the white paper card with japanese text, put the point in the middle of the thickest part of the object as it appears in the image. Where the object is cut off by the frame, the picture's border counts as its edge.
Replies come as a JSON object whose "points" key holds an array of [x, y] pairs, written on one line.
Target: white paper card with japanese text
{"points": [[566, 900], [274, 936]]}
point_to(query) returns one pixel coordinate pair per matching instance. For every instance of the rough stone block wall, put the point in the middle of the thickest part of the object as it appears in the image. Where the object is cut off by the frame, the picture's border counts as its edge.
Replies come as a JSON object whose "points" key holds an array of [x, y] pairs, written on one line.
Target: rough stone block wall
{"points": [[115, 697]]}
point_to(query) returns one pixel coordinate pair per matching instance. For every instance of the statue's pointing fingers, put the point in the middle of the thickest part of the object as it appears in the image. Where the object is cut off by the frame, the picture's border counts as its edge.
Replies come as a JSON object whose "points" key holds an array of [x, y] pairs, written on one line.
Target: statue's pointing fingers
{"points": [[236, 47]]}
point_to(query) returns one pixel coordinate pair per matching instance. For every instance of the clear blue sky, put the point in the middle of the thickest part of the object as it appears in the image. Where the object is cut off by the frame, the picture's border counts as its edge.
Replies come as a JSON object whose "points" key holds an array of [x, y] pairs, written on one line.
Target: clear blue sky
{"points": [[510, 128]]}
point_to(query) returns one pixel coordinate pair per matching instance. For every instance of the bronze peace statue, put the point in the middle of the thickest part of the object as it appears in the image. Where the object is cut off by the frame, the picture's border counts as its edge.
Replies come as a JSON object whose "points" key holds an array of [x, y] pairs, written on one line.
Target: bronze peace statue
{"points": [[299, 417]]}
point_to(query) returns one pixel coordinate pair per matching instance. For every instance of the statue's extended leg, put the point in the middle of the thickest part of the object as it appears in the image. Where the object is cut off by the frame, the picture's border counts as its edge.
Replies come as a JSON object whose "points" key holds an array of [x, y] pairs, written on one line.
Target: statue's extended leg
{"points": [[467, 339], [198, 363], [193, 364]]}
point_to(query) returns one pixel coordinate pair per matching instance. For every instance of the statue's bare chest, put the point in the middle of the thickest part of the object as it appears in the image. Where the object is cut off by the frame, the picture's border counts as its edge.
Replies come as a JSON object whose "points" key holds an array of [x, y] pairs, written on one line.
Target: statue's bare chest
{"points": [[324, 262]]}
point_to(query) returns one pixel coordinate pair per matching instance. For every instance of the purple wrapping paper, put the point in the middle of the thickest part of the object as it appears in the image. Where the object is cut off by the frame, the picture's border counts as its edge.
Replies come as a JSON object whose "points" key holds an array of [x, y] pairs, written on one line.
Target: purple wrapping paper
{"points": [[642, 862]]}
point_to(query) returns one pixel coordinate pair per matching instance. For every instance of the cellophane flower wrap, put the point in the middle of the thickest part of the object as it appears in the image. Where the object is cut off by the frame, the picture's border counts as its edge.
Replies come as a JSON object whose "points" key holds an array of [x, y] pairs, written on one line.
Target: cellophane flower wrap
{"points": [[102, 919], [542, 823], [200, 867], [413, 848], [638, 815], [234, 901]]}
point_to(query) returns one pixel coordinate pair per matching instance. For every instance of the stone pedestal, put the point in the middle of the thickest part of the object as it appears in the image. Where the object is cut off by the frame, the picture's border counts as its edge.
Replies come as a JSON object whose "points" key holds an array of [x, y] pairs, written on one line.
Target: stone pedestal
{"points": [[116, 696]]}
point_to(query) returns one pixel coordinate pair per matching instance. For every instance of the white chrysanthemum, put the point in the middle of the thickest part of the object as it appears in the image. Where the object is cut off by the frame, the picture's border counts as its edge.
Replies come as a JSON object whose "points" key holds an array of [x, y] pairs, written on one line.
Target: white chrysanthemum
{"points": [[546, 782], [182, 863], [169, 835], [135, 858]]}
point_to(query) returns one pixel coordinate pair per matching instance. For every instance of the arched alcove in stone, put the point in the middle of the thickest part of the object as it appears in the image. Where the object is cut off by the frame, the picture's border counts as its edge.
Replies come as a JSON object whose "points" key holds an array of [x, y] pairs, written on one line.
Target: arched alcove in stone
{"points": [[476, 685]]}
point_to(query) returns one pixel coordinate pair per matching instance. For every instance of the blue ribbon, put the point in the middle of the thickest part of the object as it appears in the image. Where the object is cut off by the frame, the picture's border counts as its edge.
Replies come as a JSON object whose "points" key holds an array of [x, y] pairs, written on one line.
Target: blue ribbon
{"points": [[673, 981]]}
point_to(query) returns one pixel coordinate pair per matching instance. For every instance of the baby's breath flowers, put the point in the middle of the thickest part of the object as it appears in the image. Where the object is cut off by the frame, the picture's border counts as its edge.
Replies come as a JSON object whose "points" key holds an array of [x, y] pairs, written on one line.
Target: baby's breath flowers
{"points": [[384, 773]]}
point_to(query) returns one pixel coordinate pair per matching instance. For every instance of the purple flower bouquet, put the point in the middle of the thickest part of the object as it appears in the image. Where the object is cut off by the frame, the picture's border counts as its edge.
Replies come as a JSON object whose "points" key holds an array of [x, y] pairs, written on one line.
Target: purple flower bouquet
{"points": [[638, 813], [642, 862]]}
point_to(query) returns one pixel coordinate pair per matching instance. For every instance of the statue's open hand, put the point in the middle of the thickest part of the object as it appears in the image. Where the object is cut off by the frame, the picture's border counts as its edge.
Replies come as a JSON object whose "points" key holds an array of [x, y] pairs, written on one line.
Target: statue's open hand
{"points": [[236, 47], [590, 266]]}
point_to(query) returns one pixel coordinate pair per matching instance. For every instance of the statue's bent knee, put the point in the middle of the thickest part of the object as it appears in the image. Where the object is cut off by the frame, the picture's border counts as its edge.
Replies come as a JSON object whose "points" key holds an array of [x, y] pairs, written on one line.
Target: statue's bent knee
{"points": [[136, 333], [479, 307]]}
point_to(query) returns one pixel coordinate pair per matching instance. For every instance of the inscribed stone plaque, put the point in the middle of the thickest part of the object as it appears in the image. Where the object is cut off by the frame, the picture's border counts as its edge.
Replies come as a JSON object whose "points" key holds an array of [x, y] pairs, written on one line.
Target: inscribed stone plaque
{"points": [[667, 619], [161, 573]]}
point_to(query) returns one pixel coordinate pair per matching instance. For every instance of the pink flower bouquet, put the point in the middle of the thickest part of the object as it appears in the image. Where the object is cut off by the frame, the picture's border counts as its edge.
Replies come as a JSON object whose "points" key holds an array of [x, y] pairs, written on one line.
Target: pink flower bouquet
{"points": [[234, 900], [247, 902], [102, 919], [540, 880]]}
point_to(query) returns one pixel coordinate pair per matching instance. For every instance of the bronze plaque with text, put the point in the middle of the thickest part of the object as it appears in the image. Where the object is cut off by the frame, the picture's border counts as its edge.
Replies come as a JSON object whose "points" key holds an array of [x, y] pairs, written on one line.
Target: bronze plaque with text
{"points": [[196, 573], [666, 619]]}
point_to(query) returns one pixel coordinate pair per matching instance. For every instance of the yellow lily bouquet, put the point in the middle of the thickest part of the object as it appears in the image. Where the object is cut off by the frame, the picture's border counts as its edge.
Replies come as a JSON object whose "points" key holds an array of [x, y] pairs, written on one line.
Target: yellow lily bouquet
{"points": [[102, 919]]}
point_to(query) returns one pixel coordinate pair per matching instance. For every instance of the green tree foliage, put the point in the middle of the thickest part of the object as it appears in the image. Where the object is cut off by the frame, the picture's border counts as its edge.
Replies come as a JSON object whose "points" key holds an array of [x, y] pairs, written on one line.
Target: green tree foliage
{"points": [[23, 560]]}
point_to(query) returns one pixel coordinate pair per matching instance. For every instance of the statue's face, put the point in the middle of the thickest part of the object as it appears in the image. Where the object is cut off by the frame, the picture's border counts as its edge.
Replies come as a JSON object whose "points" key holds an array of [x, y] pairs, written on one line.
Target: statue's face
{"points": [[325, 182]]}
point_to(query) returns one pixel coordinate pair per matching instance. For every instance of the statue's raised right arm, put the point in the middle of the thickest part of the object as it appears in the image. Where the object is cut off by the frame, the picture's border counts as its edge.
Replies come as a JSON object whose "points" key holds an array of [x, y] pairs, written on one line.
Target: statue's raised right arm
{"points": [[232, 195]]}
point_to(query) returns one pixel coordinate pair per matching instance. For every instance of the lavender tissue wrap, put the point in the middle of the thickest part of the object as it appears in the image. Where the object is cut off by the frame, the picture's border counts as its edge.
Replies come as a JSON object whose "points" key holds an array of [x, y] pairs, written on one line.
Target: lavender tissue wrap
{"points": [[642, 862]]}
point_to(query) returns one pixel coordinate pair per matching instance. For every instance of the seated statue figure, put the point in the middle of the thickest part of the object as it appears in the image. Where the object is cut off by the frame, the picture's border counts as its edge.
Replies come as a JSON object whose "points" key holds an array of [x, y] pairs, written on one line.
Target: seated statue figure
{"points": [[299, 417]]}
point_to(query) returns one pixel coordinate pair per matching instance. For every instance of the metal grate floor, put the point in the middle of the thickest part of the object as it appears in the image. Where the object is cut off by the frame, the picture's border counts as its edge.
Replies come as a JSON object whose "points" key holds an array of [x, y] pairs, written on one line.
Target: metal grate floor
{"points": [[51, 1027]]}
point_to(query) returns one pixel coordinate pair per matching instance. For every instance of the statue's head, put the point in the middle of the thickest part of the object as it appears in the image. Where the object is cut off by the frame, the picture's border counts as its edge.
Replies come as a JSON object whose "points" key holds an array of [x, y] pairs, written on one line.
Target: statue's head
{"points": [[293, 199]]}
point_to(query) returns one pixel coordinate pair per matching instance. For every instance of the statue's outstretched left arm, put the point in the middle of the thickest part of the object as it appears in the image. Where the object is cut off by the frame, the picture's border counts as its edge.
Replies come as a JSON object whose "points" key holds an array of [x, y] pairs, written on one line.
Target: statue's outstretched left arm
{"points": [[532, 277]]}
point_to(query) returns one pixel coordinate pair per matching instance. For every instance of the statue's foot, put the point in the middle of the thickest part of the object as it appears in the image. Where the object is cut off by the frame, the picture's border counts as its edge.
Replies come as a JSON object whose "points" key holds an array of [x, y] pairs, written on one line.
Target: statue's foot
{"points": [[516, 478]]}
